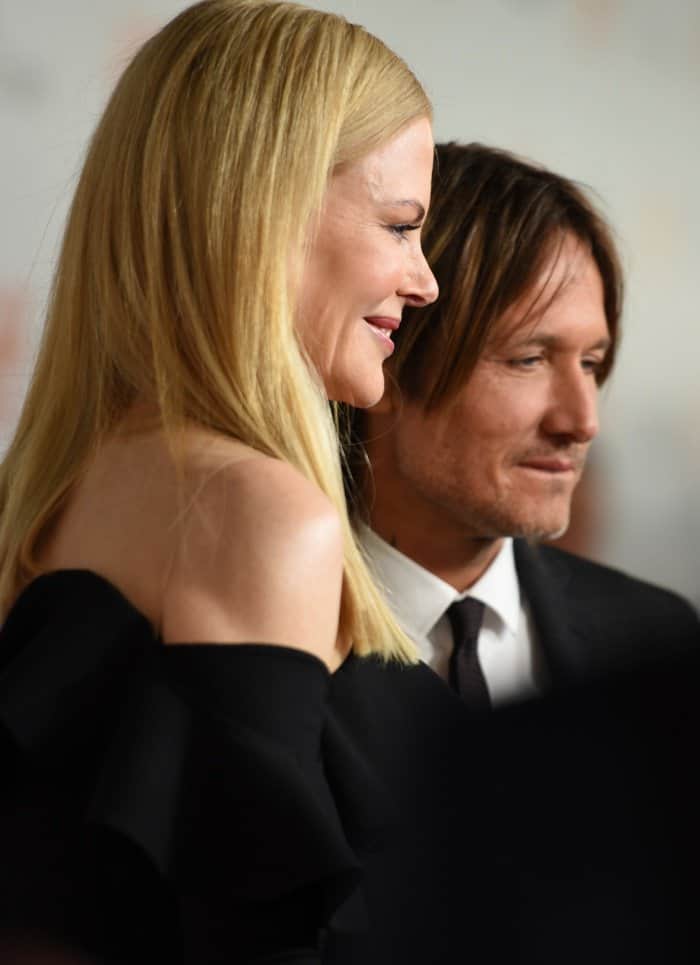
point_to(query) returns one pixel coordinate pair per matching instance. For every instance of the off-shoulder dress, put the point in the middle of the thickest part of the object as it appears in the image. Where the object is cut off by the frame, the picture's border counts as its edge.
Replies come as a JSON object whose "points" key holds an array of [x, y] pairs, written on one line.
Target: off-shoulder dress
{"points": [[205, 804]]}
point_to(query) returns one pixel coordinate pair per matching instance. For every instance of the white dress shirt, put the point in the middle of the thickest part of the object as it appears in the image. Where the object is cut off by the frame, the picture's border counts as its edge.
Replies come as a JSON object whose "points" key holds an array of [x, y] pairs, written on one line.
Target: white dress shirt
{"points": [[506, 647]]}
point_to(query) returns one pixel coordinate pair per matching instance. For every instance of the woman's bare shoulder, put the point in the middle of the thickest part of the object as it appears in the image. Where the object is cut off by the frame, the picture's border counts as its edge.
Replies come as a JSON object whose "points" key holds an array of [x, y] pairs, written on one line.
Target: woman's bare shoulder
{"points": [[259, 556], [261, 497], [222, 544]]}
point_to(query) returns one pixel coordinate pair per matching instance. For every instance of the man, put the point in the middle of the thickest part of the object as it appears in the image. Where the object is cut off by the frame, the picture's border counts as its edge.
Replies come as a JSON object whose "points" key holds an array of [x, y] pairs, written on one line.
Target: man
{"points": [[482, 436], [574, 834]]}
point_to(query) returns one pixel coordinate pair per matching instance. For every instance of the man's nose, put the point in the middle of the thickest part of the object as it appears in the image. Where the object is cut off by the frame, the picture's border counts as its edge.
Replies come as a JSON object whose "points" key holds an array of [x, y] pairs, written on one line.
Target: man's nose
{"points": [[573, 408]]}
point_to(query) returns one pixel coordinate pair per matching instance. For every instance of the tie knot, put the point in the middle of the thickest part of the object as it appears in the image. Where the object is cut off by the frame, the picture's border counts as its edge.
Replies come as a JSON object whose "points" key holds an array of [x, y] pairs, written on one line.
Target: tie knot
{"points": [[465, 618]]}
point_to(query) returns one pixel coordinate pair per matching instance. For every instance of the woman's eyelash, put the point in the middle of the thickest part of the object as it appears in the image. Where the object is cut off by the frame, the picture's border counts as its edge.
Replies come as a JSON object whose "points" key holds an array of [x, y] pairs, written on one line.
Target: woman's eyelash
{"points": [[401, 229]]}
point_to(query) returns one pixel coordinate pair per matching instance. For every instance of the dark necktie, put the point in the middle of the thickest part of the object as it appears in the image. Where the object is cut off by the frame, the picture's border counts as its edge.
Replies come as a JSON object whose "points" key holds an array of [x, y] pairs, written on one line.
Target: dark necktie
{"points": [[465, 674]]}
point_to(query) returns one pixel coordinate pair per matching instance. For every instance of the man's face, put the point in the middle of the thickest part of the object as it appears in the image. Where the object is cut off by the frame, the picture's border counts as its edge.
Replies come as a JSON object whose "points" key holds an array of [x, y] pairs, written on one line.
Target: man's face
{"points": [[504, 456]]}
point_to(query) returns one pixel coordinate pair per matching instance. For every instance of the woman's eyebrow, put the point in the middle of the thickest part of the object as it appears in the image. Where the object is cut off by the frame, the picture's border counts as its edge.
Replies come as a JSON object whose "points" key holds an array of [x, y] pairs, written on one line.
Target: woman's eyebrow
{"points": [[408, 203]]}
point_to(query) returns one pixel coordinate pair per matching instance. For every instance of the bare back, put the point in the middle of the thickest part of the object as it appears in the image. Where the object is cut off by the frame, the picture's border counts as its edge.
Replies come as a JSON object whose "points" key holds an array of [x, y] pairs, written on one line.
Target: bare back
{"points": [[238, 547]]}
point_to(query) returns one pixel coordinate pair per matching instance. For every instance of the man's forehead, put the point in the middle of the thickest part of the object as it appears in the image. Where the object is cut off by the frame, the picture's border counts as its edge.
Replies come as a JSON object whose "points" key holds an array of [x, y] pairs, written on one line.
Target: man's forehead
{"points": [[521, 320]]}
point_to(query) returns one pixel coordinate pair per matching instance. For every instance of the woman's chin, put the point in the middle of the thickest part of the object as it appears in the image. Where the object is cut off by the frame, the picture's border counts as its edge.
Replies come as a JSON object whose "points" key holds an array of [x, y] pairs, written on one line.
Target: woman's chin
{"points": [[362, 394], [365, 397]]}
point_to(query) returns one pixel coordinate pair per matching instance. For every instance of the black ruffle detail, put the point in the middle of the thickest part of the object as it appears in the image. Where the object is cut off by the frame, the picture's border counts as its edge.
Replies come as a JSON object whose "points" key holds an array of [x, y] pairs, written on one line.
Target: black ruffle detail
{"points": [[191, 763], [218, 765], [67, 651]]}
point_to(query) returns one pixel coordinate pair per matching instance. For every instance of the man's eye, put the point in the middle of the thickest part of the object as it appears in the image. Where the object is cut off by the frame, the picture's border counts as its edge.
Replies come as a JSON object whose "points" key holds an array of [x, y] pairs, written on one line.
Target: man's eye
{"points": [[594, 366], [528, 362], [400, 230]]}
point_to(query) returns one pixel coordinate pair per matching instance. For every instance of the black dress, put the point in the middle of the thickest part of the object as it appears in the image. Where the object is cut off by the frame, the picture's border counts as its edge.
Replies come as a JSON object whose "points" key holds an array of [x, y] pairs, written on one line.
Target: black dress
{"points": [[204, 803]]}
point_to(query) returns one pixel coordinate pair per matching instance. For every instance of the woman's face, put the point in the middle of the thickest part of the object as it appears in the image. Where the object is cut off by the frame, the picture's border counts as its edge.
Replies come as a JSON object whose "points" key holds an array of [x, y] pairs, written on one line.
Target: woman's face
{"points": [[365, 263]]}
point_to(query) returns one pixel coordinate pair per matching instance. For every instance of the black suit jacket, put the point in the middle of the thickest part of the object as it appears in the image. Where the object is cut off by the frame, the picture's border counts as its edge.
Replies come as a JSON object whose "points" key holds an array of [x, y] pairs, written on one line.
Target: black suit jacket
{"points": [[561, 829], [593, 789], [567, 827], [592, 620]]}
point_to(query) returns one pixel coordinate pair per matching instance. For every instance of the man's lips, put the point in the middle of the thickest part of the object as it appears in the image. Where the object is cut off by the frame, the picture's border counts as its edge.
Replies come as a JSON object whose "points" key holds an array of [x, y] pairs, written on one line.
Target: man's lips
{"points": [[552, 464]]}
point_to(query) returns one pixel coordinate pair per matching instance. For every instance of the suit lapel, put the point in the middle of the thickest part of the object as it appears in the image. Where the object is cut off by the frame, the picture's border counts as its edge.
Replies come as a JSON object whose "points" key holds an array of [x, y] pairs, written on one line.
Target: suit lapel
{"points": [[543, 581]]}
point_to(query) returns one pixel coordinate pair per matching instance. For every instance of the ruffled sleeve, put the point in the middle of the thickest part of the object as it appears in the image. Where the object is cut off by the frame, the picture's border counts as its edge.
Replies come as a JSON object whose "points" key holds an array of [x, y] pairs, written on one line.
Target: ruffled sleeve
{"points": [[197, 770]]}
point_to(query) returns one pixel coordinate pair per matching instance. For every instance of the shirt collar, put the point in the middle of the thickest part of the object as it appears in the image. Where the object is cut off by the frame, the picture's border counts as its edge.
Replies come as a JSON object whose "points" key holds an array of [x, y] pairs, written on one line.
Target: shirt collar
{"points": [[419, 598], [498, 587]]}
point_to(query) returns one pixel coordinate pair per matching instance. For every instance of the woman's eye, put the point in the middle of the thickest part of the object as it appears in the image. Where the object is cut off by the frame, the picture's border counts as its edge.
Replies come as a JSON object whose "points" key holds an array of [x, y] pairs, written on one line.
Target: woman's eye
{"points": [[400, 230]]}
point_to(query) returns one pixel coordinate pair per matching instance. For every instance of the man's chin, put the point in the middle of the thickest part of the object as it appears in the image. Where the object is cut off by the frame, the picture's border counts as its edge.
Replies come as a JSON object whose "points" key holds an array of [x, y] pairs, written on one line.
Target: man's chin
{"points": [[541, 530], [493, 522], [552, 535]]}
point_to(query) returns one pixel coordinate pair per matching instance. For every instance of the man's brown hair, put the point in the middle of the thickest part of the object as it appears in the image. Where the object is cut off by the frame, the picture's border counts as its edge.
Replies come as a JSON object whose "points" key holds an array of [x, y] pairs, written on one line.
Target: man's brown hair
{"points": [[494, 225]]}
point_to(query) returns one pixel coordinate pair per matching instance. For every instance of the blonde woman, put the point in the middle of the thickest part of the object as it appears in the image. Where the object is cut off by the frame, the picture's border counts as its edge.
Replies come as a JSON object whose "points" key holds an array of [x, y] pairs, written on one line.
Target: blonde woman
{"points": [[178, 577]]}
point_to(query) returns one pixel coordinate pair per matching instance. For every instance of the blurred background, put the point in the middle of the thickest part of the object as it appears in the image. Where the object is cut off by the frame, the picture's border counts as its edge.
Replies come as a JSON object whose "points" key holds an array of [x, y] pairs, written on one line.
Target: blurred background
{"points": [[603, 91]]}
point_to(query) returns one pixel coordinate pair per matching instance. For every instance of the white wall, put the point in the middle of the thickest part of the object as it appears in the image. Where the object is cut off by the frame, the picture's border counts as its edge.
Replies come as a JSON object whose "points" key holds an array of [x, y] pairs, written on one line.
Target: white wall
{"points": [[605, 91]]}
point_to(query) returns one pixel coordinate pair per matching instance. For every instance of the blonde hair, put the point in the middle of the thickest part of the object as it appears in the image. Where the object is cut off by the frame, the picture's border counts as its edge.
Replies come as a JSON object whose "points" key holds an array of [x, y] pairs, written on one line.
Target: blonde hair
{"points": [[175, 282]]}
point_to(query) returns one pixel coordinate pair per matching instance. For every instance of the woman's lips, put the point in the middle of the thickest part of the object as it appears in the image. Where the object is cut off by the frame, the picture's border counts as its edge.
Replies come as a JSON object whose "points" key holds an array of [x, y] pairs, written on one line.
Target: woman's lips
{"points": [[383, 327], [383, 322]]}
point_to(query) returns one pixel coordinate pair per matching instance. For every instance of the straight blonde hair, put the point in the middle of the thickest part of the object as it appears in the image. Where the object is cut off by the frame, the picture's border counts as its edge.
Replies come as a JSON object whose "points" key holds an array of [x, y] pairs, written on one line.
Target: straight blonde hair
{"points": [[175, 284]]}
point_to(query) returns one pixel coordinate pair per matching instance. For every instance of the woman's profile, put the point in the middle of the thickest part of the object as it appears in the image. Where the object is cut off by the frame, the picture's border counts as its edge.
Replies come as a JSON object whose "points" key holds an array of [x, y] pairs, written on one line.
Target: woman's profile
{"points": [[178, 575]]}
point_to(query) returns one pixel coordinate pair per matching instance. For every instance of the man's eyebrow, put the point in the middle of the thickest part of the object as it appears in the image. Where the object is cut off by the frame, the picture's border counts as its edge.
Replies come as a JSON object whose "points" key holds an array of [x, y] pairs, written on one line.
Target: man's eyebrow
{"points": [[551, 341]]}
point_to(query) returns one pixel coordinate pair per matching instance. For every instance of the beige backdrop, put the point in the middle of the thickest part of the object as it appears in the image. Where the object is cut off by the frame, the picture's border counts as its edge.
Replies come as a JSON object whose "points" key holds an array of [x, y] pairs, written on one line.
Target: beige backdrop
{"points": [[605, 91]]}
